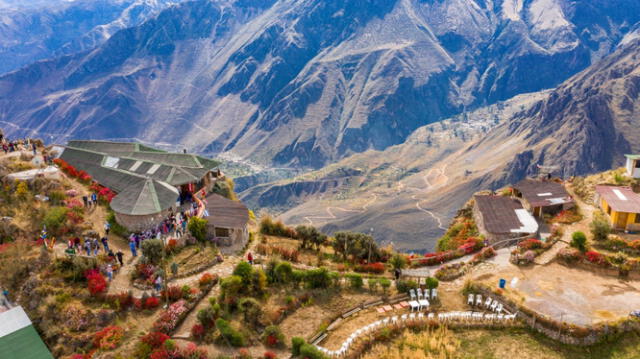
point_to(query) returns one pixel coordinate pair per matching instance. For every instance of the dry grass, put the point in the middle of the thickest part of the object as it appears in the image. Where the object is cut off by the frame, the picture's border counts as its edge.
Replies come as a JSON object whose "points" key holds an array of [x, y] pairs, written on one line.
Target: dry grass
{"points": [[439, 343]]}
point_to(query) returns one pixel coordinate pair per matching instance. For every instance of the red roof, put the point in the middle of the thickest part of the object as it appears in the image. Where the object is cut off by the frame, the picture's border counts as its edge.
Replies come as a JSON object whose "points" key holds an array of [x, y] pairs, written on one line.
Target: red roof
{"points": [[620, 199]]}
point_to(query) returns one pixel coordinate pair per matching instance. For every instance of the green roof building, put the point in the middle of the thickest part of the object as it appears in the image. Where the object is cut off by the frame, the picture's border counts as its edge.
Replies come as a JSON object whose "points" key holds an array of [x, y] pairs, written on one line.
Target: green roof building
{"points": [[148, 182], [18, 338]]}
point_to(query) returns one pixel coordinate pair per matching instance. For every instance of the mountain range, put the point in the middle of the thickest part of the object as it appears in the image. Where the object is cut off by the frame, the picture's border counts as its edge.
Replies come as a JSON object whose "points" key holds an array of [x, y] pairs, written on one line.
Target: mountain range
{"points": [[303, 83], [37, 30], [399, 109]]}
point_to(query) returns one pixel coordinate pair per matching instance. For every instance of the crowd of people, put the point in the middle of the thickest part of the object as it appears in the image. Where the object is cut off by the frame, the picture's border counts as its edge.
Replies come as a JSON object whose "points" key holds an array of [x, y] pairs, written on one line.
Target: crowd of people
{"points": [[26, 144], [175, 225]]}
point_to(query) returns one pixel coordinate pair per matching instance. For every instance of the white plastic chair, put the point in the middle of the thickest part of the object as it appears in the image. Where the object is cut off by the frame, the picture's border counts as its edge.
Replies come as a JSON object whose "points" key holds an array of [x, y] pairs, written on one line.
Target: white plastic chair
{"points": [[470, 300], [487, 304], [499, 308], [478, 299], [434, 293], [494, 305]]}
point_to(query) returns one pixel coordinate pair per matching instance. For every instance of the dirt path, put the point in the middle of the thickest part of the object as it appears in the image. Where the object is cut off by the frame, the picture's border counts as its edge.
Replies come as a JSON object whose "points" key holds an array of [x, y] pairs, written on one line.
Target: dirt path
{"points": [[587, 211], [442, 178], [330, 209]]}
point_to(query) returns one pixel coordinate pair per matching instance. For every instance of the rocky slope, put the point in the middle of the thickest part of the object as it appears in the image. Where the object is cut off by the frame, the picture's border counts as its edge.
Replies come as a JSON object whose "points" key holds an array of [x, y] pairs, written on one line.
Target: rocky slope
{"points": [[583, 126], [303, 83], [37, 30]]}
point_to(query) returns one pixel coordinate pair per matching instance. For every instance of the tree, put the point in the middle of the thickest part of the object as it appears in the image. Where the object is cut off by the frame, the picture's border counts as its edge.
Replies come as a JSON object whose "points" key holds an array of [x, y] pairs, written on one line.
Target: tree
{"points": [[358, 245], [600, 228], [310, 236], [198, 228], [579, 241], [152, 249], [398, 261]]}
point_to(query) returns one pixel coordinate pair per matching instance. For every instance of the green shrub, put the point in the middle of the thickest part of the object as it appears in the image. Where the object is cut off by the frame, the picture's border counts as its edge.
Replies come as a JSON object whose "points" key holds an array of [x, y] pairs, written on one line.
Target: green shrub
{"points": [[355, 281], [579, 241], [600, 228], [373, 284], [309, 351], [251, 310], [403, 286], [198, 228], [398, 261], [225, 189], [432, 282], [56, 197], [296, 343], [228, 334], [244, 270], [318, 278], [153, 250], [283, 272], [55, 218], [273, 337], [385, 284]]}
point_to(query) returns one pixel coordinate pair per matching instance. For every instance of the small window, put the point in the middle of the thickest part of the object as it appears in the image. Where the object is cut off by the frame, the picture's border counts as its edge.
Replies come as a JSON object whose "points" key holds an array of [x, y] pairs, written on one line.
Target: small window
{"points": [[608, 210], [222, 232], [637, 163], [637, 220]]}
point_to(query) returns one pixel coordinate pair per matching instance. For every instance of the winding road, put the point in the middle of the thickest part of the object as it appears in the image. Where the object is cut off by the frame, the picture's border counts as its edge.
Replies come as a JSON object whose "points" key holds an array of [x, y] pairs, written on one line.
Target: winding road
{"points": [[333, 216], [439, 172]]}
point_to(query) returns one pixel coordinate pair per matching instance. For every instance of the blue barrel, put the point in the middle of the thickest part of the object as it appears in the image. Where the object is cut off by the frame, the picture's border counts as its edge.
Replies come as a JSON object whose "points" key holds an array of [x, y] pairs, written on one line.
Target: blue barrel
{"points": [[503, 283]]}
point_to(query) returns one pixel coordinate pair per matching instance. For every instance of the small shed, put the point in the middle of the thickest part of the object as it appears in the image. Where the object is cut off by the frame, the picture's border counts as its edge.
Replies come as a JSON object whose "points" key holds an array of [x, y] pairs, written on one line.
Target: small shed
{"points": [[621, 205], [227, 220], [543, 196], [499, 218], [633, 165], [18, 337]]}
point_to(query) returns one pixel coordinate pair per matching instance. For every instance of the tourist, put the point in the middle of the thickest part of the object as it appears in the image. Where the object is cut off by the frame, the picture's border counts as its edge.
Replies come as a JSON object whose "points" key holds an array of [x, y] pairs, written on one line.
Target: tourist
{"points": [[33, 146], [85, 199], [5, 298], [5, 148], [76, 243], [158, 284], [112, 256], [87, 246], [105, 243], [250, 258], [397, 272], [132, 246], [109, 272], [96, 246], [107, 227], [119, 254], [94, 199]]}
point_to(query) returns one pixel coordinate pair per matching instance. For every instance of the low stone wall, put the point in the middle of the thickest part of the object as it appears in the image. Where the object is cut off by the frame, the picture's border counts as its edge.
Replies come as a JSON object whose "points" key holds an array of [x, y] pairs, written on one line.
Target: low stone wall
{"points": [[594, 268], [567, 334]]}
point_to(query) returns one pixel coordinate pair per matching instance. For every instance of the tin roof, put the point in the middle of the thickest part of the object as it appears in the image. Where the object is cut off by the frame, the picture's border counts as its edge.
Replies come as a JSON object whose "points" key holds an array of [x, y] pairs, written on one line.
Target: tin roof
{"points": [[543, 193], [503, 215], [226, 213], [620, 199]]}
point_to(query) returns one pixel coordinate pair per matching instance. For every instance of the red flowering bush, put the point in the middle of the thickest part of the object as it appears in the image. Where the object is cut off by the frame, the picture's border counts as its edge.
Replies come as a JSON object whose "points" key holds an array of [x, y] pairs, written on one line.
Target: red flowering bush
{"points": [[484, 254], [596, 258], [173, 292], [172, 245], [95, 282], [84, 177], [106, 194], [168, 320], [108, 338], [191, 351], [377, 268], [270, 355], [151, 303], [154, 339], [206, 279], [197, 331]]}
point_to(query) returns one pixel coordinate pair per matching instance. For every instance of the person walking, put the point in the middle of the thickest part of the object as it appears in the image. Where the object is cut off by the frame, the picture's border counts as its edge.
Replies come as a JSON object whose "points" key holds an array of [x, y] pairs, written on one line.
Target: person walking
{"points": [[105, 243], [250, 258], [34, 147], [95, 246], [119, 255], [107, 227], [94, 199], [87, 246], [158, 284], [132, 247], [85, 200], [109, 272]]}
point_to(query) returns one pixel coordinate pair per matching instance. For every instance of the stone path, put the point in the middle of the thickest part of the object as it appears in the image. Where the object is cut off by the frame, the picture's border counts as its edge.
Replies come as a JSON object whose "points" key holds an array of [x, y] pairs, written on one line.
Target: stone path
{"points": [[587, 211]]}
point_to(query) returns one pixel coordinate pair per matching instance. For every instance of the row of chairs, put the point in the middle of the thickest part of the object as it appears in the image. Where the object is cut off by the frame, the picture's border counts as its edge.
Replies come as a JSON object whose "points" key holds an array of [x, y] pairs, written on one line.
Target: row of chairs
{"points": [[420, 300], [490, 304], [413, 317]]}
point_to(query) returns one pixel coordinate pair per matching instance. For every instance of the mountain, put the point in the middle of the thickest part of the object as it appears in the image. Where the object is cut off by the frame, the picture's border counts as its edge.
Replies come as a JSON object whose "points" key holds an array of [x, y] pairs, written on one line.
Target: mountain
{"points": [[37, 30], [408, 193], [304, 83]]}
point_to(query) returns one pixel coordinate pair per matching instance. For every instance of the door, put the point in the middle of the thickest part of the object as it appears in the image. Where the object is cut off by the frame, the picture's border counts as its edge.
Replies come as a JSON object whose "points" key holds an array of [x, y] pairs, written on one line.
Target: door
{"points": [[621, 223]]}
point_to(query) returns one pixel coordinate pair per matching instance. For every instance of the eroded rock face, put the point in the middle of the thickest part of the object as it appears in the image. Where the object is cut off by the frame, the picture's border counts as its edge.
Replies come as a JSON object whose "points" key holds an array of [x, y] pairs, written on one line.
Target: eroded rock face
{"points": [[304, 83]]}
